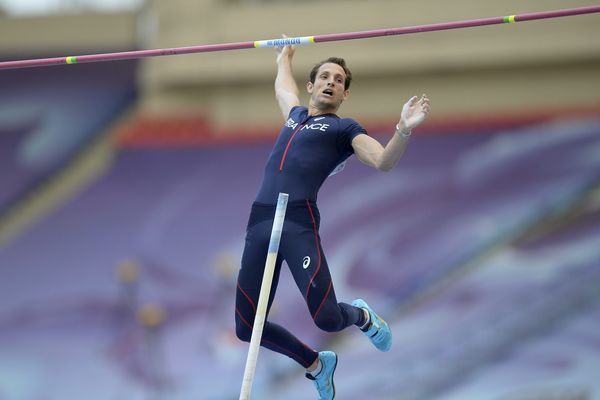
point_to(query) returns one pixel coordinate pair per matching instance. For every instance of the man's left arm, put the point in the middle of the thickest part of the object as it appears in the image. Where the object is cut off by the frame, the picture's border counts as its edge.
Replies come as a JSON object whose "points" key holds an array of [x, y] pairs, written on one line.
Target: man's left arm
{"points": [[373, 154]]}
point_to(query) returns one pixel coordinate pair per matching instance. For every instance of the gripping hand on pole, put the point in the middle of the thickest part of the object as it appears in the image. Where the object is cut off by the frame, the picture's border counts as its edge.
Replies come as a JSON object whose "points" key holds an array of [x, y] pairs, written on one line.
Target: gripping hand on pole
{"points": [[286, 90], [285, 51]]}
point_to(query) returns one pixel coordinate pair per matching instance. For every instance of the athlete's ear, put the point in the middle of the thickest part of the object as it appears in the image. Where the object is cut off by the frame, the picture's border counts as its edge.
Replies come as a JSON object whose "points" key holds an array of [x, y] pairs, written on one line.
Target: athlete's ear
{"points": [[346, 94], [309, 87]]}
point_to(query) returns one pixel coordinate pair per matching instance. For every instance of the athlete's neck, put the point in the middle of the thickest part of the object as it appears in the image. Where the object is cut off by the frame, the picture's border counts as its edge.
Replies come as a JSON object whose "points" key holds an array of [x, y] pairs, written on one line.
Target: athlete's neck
{"points": [[314, 111]]}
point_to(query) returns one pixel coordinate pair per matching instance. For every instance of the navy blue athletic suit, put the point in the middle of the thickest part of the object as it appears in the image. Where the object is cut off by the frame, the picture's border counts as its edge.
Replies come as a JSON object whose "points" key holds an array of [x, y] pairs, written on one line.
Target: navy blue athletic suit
{"points": [[306, 152]]}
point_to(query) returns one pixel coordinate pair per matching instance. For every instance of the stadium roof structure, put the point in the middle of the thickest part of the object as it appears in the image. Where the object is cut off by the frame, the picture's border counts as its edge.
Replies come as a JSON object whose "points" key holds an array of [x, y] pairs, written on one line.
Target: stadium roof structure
{"points": [[19, 8]]}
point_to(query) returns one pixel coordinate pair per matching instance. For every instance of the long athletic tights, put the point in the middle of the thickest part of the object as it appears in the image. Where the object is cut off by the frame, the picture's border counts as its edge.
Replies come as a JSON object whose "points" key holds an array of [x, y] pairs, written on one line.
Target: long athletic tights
{"points": [[300, 247]]}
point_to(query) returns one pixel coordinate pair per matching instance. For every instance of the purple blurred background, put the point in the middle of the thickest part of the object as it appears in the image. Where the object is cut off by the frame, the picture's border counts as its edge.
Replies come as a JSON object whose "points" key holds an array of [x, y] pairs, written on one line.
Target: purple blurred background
{"points": [[482, 250]]}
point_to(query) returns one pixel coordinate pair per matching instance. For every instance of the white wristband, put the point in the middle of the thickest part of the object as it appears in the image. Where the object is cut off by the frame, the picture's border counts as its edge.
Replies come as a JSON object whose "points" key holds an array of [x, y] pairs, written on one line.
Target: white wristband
{"points": [[404, 134]]}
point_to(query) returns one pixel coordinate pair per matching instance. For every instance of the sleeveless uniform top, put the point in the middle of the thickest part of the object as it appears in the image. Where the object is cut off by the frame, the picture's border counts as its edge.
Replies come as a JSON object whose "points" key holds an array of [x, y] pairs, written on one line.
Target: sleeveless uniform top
{"points": [[307, 151]]}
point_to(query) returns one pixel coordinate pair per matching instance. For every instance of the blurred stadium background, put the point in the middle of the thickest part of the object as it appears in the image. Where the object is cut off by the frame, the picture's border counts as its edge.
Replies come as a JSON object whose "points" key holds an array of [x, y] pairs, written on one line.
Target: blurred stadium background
{"points": [[125, 188]]}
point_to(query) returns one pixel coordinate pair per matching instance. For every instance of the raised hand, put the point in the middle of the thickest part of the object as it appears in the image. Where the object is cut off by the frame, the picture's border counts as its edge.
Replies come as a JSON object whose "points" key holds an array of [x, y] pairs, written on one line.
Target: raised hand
{"points": [[284, 51], [414, 113]]}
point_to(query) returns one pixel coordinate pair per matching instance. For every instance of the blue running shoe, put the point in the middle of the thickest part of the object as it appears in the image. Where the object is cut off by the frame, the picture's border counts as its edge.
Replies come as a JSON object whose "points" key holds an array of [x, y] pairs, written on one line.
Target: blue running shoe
{"points": [[324, 379], [379, 332]]}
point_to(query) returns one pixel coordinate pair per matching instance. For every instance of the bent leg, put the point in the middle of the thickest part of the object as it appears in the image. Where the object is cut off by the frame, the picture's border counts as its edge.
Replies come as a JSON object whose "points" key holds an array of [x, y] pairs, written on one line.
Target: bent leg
{"points": [[310, 270], [249, 282]]}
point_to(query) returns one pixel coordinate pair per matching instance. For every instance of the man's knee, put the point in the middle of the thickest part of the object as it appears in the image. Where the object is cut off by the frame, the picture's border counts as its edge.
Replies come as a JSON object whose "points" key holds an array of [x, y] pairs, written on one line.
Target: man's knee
{"points": [[330, 322]]}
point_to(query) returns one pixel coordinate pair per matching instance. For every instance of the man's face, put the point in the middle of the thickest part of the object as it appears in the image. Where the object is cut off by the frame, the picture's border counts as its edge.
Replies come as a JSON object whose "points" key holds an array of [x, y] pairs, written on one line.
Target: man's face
{"points": [[328, 93]]}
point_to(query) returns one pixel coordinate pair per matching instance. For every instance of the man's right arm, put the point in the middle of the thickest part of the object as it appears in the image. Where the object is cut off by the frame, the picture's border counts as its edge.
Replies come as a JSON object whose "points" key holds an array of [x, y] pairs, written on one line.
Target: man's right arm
{"points": [[286, 89]]}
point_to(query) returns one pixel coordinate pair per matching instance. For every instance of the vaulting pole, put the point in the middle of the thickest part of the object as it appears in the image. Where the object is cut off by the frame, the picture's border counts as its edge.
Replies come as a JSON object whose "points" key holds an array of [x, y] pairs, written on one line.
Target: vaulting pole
{"points": [[509, 19]]}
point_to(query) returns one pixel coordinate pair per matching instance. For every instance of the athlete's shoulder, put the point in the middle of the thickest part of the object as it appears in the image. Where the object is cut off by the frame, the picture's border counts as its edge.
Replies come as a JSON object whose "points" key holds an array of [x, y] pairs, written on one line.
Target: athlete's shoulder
{"points": [[298, 110], [348, 121], [351, 125]]}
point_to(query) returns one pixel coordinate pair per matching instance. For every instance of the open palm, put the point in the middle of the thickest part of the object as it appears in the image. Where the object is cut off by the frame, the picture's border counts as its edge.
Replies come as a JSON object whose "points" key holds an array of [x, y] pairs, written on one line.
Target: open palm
{"points": [[414, 112]]}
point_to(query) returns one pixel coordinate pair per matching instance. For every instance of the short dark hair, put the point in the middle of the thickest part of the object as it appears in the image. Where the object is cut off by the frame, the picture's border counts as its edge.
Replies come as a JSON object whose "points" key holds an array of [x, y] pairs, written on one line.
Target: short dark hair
{"points": [[335, 60]]}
